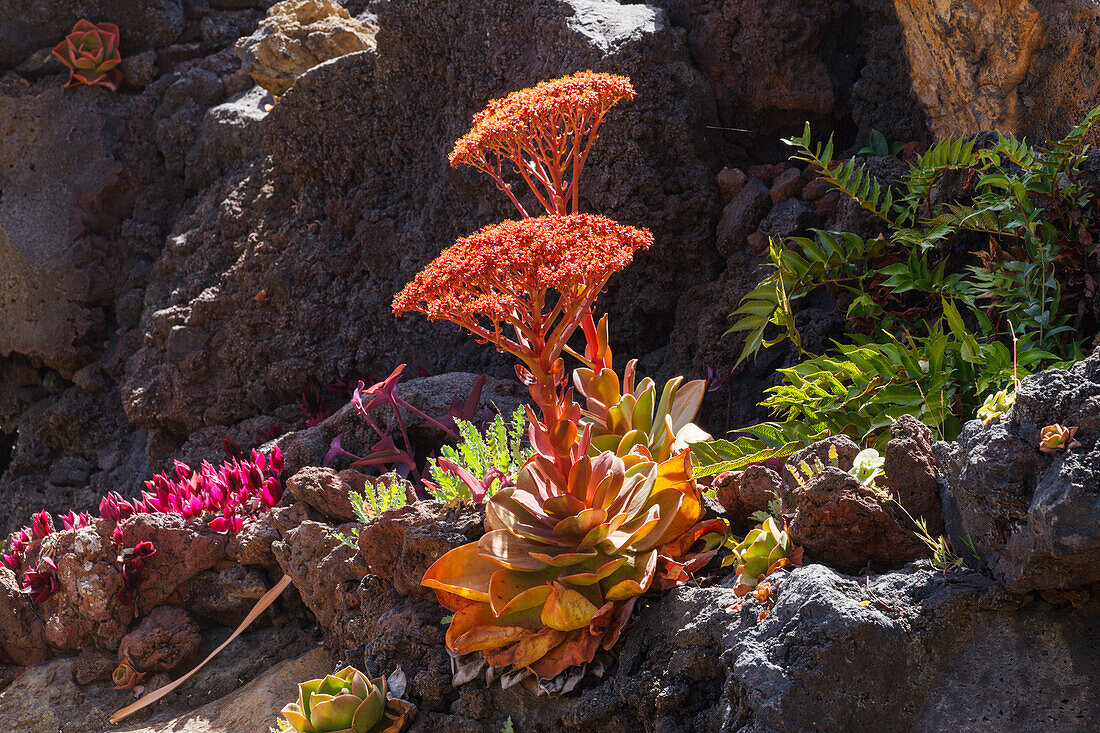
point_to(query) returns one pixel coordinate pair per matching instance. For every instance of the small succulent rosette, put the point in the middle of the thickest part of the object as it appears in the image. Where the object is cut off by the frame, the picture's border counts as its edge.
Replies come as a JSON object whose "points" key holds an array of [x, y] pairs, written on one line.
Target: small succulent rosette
{"points": [[349, 702], [91, 54]]}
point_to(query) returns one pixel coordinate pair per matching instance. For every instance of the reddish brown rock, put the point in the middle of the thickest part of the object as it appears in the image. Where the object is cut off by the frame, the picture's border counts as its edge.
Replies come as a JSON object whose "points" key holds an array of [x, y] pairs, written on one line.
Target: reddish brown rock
{"points": [[93, 665], [743, 492], [730, 183], [727, 487], [759, 486], [812, 455], [184, 549], [400, 544], [165, 638], [324, 490], [427, 543], [910, 469], [86, 608], [252, 545], [383, 538], [815, 189], [842, 523], [768, 172], [323, 569], [787, 184], [22, 635]]}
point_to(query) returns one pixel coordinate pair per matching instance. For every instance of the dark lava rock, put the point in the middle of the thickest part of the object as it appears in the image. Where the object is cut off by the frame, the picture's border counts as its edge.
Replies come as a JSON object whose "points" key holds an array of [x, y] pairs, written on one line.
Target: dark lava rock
{"points": [[165, 638], [789, 217], [908, 650], [1034, 517], [742, 215]]}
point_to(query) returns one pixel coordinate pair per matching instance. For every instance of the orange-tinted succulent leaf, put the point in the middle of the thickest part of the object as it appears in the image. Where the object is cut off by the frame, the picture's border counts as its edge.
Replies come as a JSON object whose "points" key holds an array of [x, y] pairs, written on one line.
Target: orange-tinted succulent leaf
{"points": [[669, 573], [567, 609], [579, 647], [463, 572], [633, 579], [581, 524], [564, 506], [511, 591], [566, 559], [527, 650], [500, 548], [475, 628], [618, 622], [593, 572]]}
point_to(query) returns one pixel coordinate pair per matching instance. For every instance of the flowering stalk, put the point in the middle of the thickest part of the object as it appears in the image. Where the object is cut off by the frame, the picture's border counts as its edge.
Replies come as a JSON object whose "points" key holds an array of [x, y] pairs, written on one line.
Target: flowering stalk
{"points": [[545, 133]]}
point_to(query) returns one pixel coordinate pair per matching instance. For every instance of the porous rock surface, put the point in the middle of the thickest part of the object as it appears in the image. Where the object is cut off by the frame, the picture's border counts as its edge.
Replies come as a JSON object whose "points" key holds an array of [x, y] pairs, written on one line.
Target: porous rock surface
{"points": [[165, 637], [297, 35], [907, 645], [1011, 65], [1034, 517]]}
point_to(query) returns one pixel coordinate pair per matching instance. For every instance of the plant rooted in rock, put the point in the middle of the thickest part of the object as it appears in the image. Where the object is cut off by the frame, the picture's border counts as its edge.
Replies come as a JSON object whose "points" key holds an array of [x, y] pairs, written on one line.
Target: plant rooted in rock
{"points": [[623, 414], [996, 406], [126, 676], [584, 532], [239, 490], [482, 462], [90, 52], [763, 551], [346, 702], [1056, 437]]}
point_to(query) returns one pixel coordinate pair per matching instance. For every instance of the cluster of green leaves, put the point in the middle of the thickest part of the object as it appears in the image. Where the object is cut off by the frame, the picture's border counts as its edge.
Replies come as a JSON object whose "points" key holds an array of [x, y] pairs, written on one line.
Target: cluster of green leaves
{"points": [[500, 447], [381, 494], [955, 301]]}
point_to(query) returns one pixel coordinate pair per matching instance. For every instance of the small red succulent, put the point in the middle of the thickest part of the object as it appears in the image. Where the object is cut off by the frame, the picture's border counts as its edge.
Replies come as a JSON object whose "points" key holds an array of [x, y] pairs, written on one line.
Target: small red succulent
{"points": [[91, 54], [1057, 437], [41, 582]]}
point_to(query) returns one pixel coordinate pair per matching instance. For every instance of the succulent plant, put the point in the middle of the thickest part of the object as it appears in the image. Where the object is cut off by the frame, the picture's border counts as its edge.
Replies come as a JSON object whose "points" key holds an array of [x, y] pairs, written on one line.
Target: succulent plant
{"points": [[996, 406], [558, 572], [238, 490], [126, 676], [623, 414], [1057, 437], [41, 582], [90, 52], [867, 466], [763, 551], [345, 702]]}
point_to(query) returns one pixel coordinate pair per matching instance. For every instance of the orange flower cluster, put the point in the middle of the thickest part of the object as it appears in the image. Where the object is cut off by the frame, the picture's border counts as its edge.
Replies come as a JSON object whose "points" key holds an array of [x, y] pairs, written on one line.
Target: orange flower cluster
{"points": [[501, 275], [545, 132]]}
